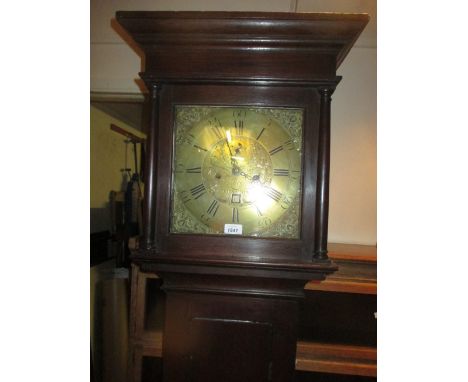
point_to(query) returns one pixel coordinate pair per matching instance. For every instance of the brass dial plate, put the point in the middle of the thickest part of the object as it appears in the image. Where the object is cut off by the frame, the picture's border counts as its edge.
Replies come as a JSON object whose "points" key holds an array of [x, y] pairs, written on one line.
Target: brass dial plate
{"points": [[237, 167]]}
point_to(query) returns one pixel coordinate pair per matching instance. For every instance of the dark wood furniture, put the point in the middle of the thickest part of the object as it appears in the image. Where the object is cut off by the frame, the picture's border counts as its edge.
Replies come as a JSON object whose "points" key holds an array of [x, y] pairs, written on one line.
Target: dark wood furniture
{"points": [[338, 326], [356, 280], [232, 303]]}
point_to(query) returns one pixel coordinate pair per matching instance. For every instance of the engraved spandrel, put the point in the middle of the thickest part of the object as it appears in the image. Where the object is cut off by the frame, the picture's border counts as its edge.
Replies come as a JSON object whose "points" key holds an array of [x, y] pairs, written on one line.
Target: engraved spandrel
{"points": [[186, 118], [286, 225], [289, 119], [183, 221]]}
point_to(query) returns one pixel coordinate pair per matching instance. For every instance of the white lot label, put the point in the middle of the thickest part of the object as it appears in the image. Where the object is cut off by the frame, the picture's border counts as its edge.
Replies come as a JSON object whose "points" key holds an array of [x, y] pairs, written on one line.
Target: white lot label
{"points": [[233, 229]]}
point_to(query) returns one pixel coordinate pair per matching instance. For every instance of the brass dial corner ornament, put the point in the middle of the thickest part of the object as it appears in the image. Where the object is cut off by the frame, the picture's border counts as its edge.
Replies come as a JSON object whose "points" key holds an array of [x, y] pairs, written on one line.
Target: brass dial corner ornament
{"points": [[237, 170]]}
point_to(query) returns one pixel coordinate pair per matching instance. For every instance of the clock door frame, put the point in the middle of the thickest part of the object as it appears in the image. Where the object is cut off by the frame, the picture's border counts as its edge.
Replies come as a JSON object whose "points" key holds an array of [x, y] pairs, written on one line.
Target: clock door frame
{"points": [[169, 95]]}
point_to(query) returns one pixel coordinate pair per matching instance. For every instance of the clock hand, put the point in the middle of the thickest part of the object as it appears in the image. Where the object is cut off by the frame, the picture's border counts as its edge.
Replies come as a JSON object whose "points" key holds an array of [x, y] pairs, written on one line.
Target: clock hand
{"points": [[235, 167], [229, 147], [227, 140], [245, 175], [253, 177]]}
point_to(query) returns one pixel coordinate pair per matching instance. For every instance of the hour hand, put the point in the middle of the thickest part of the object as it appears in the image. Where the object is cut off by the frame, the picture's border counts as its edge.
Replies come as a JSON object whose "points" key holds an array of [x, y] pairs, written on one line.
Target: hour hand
{"points": [[254, 178], [227, 140], [244, 174]]}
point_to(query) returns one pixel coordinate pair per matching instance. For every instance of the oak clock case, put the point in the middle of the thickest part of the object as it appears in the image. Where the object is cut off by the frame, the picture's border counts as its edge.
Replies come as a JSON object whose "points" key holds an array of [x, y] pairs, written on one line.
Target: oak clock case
{"points": [[237, 171]]}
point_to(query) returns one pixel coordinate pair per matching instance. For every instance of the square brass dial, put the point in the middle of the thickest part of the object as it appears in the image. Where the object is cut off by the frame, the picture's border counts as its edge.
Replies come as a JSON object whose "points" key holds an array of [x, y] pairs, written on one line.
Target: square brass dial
{"points": [[237, 170]]}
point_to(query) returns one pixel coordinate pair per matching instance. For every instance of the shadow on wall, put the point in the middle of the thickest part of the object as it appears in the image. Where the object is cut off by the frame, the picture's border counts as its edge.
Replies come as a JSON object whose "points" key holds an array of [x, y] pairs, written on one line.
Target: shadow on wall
{"points": [[100, 219], [129, 41]]}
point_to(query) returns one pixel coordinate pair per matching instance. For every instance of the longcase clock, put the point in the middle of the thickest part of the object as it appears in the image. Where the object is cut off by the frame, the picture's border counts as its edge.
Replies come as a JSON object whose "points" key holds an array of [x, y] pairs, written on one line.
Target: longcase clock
{"points": [[236, 188]]}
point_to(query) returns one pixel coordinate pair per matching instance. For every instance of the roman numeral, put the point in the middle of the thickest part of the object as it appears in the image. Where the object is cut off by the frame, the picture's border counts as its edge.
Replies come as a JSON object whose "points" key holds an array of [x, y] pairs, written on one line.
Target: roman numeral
{"points": [[193, 170], [235, 215], [289, 144], [274, 194], [239, 125], [275, 150], [200, 148], [239, 122], [259, 213], [185, 197], [217, 128], [280, 172], [259, 135], [217, 132], [198, 191], [213, 208]]}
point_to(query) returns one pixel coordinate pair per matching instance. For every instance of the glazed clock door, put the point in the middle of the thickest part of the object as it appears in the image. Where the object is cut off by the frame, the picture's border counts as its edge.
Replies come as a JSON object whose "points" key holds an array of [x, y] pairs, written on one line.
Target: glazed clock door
{"points": [[236, 188], [237, 170]]}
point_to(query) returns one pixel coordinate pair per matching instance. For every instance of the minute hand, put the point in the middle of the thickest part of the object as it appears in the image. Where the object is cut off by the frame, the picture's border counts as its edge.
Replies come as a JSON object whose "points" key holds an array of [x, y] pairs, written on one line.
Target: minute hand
{"points": [[229, 147], [233, 161], [242, 173]]}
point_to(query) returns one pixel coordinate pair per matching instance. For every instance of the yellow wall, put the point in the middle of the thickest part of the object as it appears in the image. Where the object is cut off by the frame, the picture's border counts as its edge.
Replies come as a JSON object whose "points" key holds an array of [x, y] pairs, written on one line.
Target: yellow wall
{"points": [[107, 157], [353, 157]]}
